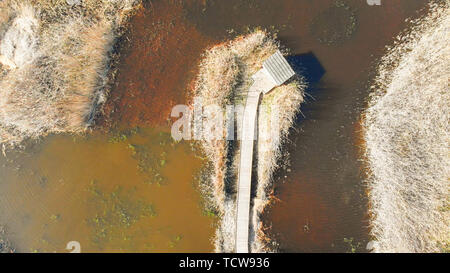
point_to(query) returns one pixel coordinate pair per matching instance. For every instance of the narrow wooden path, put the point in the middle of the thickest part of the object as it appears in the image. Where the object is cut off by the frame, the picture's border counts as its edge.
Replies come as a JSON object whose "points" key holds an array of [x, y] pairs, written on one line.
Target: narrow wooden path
{"points": [[275, 72]]}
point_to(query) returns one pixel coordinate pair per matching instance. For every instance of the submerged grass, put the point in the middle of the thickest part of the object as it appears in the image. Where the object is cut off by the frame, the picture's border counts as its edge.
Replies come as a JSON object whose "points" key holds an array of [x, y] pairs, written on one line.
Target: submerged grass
{"points": [[115, 213], [54, 64], [5, 244], [224, 78], [406, 137]]}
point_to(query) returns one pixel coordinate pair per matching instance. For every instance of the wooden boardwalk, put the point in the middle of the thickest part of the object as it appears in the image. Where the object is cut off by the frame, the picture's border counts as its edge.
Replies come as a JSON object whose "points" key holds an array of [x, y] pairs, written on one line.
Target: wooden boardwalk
{"points": [[275, 72]]}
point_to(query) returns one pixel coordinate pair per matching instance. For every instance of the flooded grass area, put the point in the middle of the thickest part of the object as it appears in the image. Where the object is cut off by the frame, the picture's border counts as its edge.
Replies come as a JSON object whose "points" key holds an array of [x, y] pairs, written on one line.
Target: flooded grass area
{"points": [[130, 191]]}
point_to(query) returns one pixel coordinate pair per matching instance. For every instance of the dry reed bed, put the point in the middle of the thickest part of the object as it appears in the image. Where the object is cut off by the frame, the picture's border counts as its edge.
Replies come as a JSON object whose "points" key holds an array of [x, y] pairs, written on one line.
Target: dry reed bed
{"points": [[406, 132], [224, 78], [54, 61]]}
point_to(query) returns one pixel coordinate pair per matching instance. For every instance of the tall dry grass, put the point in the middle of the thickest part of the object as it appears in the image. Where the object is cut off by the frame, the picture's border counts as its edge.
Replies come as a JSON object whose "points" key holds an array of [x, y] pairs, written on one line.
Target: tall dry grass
{"points": [[54, 62], [224, 79], [406, 132]]}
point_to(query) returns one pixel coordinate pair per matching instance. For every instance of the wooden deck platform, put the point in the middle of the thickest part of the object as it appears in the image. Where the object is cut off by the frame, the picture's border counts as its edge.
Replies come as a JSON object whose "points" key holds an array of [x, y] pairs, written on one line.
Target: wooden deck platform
{"points": [[275, 72]]}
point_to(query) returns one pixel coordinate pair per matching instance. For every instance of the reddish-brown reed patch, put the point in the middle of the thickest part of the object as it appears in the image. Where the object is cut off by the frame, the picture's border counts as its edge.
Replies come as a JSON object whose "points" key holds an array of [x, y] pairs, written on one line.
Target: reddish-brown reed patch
{"points": [[162, 48]]}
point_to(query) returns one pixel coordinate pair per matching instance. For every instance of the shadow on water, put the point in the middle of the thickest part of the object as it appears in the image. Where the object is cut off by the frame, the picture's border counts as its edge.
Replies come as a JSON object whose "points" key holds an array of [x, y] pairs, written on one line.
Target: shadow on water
{"points": [[312, 70], [309, 67]]}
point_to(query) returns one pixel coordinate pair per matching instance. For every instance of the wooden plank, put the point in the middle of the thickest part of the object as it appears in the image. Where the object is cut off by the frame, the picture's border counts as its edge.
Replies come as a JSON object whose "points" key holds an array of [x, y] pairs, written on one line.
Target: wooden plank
{"points": [[278, 68], [276, 71]]}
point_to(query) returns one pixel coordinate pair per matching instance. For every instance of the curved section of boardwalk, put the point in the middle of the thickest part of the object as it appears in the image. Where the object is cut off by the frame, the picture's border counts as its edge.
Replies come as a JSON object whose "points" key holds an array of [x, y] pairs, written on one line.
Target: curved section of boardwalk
{"points": [[245, 170], [275, 72]]}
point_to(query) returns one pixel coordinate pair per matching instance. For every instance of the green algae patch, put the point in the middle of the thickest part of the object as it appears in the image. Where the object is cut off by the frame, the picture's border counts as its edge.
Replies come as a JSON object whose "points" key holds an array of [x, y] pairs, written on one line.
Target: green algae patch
{"points": [[115, 213]]}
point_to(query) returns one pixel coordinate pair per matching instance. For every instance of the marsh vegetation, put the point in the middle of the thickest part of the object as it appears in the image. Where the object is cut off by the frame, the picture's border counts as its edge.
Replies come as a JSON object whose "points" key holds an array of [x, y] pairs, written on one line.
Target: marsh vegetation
{"points": [[406, 137], [54, 61], [224, 78]]}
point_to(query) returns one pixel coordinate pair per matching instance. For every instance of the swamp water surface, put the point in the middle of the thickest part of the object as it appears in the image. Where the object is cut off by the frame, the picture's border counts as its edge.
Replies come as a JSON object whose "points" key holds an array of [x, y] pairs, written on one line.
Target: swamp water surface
{"points": [[135, 190], [320, 203]]}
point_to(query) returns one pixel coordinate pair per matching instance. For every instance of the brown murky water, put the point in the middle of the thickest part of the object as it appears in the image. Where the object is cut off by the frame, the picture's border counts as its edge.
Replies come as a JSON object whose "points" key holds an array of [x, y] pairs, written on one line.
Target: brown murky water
{"points": [[159, 56], [128, 190], [135, 191], [321, 204]]}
